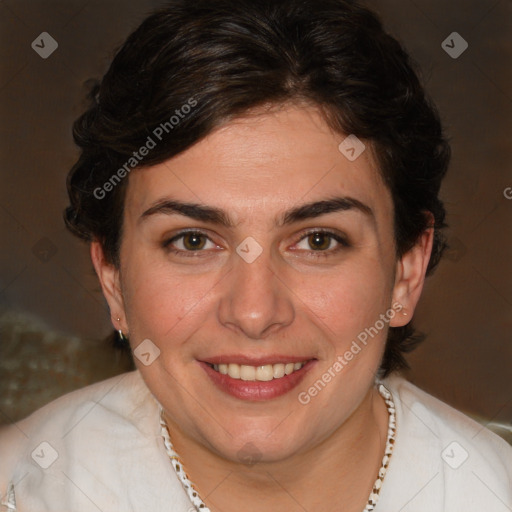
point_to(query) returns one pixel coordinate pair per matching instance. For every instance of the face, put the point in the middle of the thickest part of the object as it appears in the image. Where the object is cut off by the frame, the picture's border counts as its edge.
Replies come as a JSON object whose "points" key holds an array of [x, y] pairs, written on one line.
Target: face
{"points": [[252, 262]]}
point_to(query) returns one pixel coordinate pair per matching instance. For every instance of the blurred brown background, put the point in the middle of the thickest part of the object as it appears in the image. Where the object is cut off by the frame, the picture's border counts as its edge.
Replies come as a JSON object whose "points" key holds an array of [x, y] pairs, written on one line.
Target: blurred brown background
{"points": [[52, 315]]}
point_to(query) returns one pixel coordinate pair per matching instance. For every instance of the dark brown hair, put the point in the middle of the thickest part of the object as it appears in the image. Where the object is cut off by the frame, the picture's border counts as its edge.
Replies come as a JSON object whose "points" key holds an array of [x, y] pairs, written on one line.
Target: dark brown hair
{"points": [[231, 56]]}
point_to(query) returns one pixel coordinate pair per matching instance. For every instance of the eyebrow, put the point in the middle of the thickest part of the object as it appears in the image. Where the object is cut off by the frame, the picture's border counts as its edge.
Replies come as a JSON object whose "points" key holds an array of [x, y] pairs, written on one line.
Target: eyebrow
{"points": [[192, 210], [318, 208], [217, 216]]}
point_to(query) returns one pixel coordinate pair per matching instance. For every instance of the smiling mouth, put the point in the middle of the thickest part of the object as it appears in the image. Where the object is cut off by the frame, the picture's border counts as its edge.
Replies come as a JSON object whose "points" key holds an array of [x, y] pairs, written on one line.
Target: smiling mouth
{"points": [[264, 373], [267, 378]]}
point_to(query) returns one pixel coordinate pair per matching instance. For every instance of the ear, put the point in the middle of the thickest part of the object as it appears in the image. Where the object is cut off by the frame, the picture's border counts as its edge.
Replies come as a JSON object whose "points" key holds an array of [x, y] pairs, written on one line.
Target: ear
{"points": [[108, 274], [410, 276]]}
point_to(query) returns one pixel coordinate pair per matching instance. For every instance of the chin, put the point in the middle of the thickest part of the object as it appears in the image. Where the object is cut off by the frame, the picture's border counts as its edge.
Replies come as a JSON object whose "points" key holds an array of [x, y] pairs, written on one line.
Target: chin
{"points": [[251, 445]]}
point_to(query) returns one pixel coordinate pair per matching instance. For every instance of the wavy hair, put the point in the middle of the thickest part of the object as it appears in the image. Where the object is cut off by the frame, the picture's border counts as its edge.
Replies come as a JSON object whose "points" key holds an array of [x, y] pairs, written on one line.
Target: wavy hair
{"points": [[232, 56]]}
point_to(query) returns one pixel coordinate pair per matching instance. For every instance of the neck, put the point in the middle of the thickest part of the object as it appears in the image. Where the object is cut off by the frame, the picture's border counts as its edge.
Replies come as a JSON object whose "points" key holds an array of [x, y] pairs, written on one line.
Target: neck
{"points": [[341, 469]]}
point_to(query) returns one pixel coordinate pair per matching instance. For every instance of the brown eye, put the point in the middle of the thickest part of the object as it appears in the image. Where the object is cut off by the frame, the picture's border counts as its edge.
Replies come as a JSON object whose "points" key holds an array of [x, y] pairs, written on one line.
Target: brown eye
{"points": [[322, 243], [194, 241], [319, 241]]}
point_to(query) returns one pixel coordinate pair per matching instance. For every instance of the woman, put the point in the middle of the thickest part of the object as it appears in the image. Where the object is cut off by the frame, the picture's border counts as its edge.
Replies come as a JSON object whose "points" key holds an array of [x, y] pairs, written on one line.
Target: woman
{"points": [[258, 183]]}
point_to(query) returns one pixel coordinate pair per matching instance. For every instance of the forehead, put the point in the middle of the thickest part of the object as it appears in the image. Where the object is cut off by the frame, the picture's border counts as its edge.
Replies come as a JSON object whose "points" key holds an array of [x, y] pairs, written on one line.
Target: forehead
{"points": [[262, 163]]}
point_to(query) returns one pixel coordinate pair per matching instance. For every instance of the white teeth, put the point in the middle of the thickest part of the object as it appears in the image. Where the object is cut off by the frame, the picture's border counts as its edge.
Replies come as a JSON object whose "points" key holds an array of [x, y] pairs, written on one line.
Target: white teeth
{"points": [[278, 371], [247, 372], [234, 370], [263, 373]]}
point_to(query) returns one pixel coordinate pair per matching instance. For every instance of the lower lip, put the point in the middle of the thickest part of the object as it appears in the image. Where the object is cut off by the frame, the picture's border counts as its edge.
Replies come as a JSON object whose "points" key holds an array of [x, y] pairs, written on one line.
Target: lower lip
{"points": [[255, 390]]}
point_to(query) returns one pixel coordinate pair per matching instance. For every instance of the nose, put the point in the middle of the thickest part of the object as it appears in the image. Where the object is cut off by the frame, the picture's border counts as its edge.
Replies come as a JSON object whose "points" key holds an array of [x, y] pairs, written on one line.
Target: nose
{"points": [[256, 302]]}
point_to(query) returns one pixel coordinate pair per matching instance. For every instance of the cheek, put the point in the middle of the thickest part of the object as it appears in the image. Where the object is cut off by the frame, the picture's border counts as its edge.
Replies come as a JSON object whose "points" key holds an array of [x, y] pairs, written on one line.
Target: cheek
{"points": [[348, 302], [163, 305]]}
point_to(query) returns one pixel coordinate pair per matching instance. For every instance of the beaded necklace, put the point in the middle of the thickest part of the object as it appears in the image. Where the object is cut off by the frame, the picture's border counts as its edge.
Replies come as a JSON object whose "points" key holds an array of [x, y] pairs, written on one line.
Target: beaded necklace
{"points": [[372, 499]]}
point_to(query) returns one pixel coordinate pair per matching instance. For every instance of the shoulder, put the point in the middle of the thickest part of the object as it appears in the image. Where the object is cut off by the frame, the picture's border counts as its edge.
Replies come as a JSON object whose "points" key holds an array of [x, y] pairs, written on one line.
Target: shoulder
{"points": [[120, 395], [421, 410], [443, 457], [87, 444]]}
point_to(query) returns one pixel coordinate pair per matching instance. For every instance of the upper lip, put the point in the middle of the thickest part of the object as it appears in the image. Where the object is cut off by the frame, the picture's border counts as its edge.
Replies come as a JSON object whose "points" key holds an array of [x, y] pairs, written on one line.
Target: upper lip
{"points": [[256, 361]]}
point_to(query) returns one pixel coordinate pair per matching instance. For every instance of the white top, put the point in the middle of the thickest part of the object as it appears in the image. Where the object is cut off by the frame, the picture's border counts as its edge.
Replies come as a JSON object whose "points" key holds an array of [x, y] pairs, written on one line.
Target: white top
{"points": [[100, 448]]}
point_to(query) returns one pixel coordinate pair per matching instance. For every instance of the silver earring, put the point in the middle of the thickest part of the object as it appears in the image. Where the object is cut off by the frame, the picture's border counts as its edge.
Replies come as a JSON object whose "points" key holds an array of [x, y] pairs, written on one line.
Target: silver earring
{"points": [[122, 337]]}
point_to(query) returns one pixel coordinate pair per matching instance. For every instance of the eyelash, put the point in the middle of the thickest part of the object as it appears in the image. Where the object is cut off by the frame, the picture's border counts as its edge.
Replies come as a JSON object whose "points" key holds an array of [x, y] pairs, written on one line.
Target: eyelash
{"points": [[342, 241], [179, 252]]}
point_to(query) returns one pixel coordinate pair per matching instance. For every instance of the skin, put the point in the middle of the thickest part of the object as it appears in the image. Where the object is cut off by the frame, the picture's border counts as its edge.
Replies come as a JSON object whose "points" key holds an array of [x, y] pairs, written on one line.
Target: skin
{"points": [[291, 300]]}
